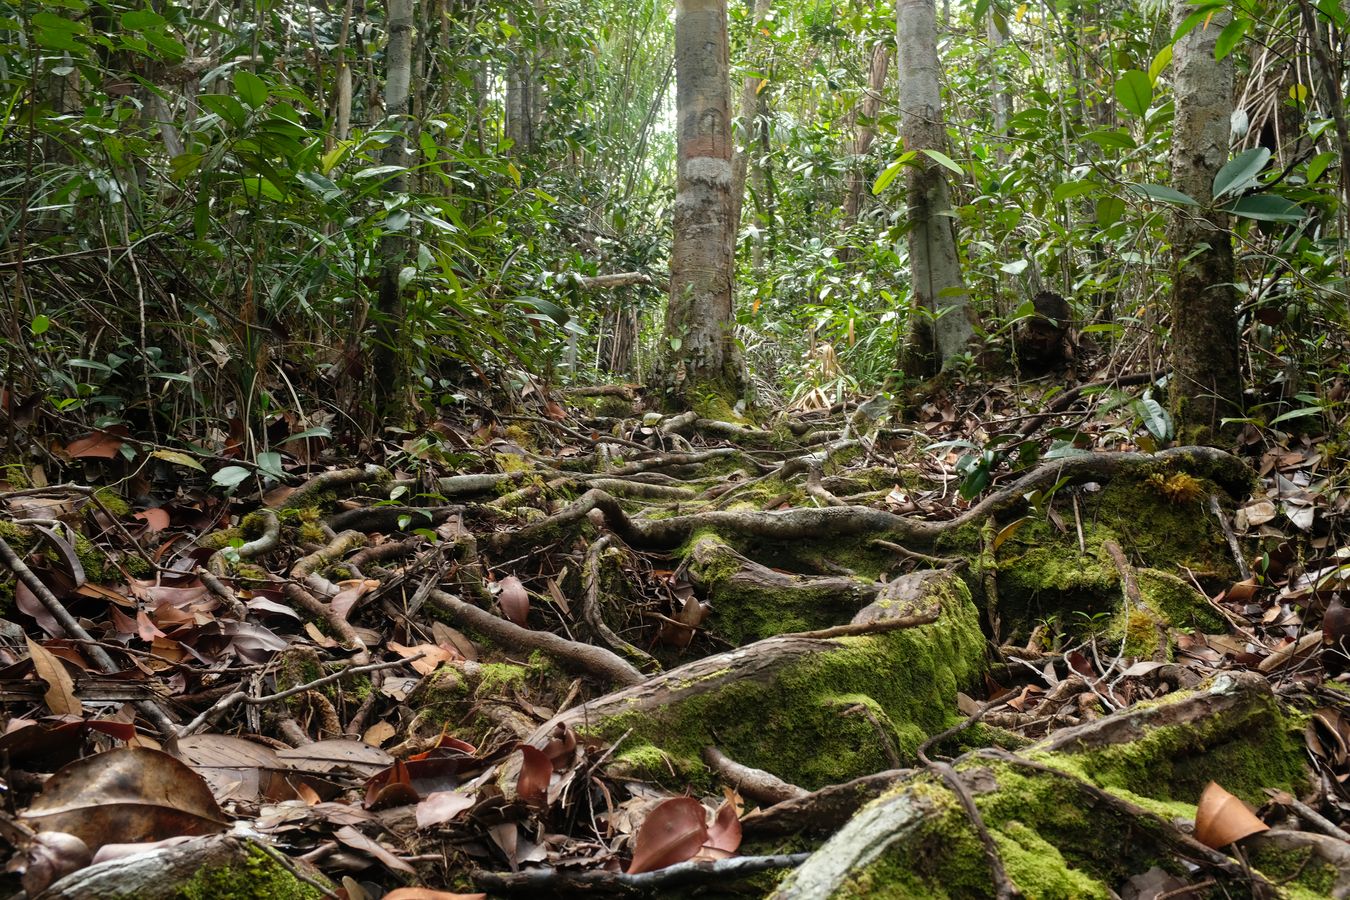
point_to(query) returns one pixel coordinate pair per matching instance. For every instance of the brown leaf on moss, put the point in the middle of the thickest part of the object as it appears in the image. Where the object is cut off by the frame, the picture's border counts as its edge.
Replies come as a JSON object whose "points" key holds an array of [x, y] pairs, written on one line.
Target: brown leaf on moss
{"points": [[1222, 819]]}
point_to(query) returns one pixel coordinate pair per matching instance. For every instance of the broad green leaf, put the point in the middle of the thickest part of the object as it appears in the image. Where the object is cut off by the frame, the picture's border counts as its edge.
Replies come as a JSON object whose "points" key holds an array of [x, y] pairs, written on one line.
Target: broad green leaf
{"points": [[270, 464], [140, 19], [250, 88], [1109, 211], [1203, 13], [1318, 164], [1156, 419], [1112, 140], [1240, 172], [1159, 63], [1016, 267], [1163, 194], [548, 308], [890, 172], [1266, 208], [225, 106], [1070, 189], [231, 477], [376, 171], [1231, 36], [40, 324], [1135, 92], [179, 459], [943, 160]]}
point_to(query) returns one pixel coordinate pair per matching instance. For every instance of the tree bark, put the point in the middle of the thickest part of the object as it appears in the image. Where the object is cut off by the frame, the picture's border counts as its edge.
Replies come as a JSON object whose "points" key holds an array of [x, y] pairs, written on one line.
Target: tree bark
{"points": [[751, 113], [943, 322], [867, 132], [1206, 383], [701, 353], [393, 246]]}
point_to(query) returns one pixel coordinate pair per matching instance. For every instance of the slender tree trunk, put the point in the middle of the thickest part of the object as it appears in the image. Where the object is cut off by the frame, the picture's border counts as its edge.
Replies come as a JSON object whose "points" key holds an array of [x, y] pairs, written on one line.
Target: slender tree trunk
{"points": [[702, 355], [752, 111], [998, 92], [944, 333], [1206, 382], [388, 356], [867, 132]]}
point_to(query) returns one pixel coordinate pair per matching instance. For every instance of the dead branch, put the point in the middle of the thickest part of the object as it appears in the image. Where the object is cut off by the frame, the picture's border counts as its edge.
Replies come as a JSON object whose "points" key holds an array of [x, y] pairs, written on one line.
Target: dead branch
{"points": [[757, 784]]}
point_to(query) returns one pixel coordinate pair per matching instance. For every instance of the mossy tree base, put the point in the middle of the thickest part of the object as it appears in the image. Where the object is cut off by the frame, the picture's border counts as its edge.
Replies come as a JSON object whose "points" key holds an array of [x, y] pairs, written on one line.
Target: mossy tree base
{"points": [[1075, 816]]}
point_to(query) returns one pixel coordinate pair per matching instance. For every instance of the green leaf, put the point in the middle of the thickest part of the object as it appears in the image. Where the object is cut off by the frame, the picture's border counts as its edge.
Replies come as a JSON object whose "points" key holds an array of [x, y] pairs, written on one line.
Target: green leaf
{"points": [[40, 324], [1318, 164], [548, 308], [1231, 36], [225, 106], [140, 19], [250, 88], [1266, 208], [1240, 172], [376, 171], [1112, 140], [180, 459], [1071, 189], [1135, 91], [231, 477], [943, 160], [317, 431], [270, 464], [1159, 63], [1109, 211], [1163, 194], [1156, 419], [890, 172], [1297, 414]]}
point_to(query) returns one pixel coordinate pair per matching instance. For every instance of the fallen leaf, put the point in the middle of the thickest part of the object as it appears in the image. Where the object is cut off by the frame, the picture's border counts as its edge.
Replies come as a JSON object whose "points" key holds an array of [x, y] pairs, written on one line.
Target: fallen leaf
{"points": [[358, 841], [535, 771], [125, 796], [60, 693], [673, 832], [378, 733], [51, 855], [514, 600], [442, 806], [96, 445], [155, 519], [421, 893], [725, 833], [1222, 819], [236, 768]]}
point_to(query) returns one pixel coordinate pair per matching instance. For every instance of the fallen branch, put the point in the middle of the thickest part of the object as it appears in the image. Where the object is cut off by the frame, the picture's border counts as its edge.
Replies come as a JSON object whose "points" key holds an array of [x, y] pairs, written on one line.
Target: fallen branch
{"points": [[150, 709], [599, 882], [757, 784]]}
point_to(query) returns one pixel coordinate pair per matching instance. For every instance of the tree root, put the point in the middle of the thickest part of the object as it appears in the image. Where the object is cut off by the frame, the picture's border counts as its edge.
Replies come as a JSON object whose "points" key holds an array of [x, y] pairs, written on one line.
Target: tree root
{"points": [[600, 883], [756, 784], [796, 524]]}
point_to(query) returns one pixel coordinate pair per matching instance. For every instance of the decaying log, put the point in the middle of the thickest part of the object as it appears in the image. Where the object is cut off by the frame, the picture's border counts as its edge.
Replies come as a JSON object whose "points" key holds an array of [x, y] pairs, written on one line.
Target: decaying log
{"points": [[209, 864]]}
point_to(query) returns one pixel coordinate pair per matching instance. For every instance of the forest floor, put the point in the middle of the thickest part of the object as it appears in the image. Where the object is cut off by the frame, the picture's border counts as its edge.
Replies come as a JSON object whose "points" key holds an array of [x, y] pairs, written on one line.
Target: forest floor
{"points": [[1010, 647]]}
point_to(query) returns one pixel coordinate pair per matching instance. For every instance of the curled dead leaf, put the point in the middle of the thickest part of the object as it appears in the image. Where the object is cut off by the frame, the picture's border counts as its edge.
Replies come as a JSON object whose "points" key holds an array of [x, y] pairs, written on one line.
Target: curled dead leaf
{"points": [[50, 857], [1222, 819]]}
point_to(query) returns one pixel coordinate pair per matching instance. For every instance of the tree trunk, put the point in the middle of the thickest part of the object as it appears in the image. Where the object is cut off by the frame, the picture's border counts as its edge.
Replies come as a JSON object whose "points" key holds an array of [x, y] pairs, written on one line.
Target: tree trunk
{"points": [[388, 358], [1206, 381], [701, 351], [943, 321], [867, 133], [751, 113]]}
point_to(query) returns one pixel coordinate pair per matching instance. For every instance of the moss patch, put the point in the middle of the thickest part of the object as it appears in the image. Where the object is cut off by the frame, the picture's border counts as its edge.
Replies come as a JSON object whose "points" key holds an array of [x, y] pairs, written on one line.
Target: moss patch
{"points": [[259, 877], [799, 723]]}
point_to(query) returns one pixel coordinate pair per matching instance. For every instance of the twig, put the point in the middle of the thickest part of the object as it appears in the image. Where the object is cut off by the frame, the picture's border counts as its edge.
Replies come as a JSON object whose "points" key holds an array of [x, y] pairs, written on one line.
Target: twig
{"points": [[152, 711], [1233, 545], [238, 697], [879, 626]]}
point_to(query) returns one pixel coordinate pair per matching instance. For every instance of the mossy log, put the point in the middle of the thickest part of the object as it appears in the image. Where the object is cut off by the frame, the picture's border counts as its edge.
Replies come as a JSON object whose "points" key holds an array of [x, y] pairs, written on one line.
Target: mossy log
{"points": [[1076, 816], [219, 867], [812, 711]]}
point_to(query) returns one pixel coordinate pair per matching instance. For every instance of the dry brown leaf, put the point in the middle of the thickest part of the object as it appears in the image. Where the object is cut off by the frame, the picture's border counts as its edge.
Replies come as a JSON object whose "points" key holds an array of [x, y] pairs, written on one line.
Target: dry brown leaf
{"points": [[96, 445], [514, 600], [155, 519], [535, 771], [442, 806], [51, 856], [125, 796], [421, 893], [1222, 819], [60, 693], [725, 833], [673, 832], [358, 841], [378, 733], [236, 768]]}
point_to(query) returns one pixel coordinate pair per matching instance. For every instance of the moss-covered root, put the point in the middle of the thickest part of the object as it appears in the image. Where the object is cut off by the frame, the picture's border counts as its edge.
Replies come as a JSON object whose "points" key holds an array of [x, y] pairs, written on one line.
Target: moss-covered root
{"points": [[1080, 814], [811, 711], [751, 602], [219, 867]]}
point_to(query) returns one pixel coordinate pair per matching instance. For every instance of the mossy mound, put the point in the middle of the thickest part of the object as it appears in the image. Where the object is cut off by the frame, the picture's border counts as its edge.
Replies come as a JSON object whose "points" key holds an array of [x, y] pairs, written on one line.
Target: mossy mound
{"points": [[1068, 822], [1044, 573], [818, 718]]}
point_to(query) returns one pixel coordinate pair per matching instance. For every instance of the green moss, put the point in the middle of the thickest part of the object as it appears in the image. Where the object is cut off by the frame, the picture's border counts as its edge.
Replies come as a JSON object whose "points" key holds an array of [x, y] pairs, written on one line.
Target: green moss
{"points": [[793, 725], [259, 877], [1179, 601], [496, 679], [1246, 751], [442, 697], [644, 762], [113, 502], [1038, 868], [512, 463], [1301, 874]]}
